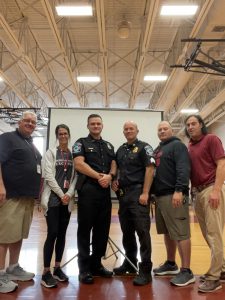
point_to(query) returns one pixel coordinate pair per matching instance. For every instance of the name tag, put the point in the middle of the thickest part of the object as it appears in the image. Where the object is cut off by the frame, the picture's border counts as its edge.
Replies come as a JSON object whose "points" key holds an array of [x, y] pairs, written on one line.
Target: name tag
{"points": [[39, 169]]}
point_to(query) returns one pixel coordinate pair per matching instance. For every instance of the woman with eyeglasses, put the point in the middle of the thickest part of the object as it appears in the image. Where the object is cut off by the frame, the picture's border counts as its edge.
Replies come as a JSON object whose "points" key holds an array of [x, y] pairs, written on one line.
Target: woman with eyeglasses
{"points": [[57, 201]]}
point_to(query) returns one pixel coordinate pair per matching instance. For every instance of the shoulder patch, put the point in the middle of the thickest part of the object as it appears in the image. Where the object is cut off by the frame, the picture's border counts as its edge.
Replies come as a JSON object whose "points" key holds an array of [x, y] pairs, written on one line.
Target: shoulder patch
{"points": [[76, 148], [148, 150]]}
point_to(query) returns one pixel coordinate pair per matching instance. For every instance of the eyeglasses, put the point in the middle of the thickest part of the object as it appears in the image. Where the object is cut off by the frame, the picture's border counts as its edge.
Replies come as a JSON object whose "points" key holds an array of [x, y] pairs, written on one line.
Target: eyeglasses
{"points": [[28, 121], [62, 134]]}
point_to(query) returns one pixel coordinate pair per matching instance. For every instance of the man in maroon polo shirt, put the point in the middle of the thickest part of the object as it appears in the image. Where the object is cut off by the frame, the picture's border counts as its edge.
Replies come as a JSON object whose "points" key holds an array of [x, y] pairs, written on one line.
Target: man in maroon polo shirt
{"points": [[208, 189]]}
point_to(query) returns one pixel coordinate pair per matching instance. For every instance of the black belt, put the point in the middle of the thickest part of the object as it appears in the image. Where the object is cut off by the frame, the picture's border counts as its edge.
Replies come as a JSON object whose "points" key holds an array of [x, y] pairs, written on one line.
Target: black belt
{"points": [[200, 188], [131, 187]]}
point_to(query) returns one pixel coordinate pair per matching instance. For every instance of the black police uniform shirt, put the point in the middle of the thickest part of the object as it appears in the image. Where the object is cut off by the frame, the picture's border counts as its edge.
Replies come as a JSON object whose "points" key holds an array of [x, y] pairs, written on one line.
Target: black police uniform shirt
{"points": [[132, 161], [98, 154], [19, 159]]}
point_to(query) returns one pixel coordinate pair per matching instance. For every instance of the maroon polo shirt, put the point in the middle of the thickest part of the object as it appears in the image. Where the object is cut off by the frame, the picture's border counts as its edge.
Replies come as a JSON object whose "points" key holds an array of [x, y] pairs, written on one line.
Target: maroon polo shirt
{"points": [[204, 154]]}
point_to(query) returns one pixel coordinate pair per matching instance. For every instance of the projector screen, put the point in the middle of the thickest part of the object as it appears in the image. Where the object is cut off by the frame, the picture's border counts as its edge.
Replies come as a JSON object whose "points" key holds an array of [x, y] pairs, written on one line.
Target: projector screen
{"points": [[113, 121]]}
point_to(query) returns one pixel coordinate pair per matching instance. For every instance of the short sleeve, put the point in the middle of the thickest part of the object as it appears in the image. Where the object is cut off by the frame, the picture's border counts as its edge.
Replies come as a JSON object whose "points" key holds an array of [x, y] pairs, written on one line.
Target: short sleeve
{"points": [[5, 147], [78, 148]]}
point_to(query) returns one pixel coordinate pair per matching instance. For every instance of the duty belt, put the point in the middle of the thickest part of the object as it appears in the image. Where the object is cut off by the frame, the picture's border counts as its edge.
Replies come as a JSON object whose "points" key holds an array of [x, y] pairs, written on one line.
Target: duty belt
{"points": [[200, 188], [125, 189]]}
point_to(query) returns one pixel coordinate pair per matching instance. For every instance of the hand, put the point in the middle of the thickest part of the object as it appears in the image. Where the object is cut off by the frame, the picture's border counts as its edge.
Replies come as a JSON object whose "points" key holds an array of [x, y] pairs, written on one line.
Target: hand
{"points": [[214, 199], [105, 180], [177, 199], [143, 199], [39, 208], [2, 193], [65, 199], [115, 185]]}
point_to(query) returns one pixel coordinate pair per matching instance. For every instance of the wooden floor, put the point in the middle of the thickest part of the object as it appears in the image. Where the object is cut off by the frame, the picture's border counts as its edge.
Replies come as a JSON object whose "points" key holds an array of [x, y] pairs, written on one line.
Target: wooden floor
{"points": [[116, 288]]}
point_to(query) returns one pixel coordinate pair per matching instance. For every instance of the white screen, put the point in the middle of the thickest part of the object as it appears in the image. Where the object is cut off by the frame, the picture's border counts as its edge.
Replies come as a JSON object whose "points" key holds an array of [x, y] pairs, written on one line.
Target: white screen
{"points": [[113, 121]]}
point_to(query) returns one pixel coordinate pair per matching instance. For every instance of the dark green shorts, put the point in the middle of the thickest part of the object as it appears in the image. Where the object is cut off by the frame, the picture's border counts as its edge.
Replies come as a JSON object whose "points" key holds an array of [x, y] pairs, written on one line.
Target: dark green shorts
{"points": [[172, 221]]}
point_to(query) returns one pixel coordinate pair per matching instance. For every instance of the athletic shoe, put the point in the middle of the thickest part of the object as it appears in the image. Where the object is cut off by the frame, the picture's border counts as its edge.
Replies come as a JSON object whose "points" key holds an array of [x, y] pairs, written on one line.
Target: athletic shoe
{"points": [[166, 269], [60, 275], [209, 286], [48, 280], [202, 278], [18, 273], [6, 285], [183, 278]]}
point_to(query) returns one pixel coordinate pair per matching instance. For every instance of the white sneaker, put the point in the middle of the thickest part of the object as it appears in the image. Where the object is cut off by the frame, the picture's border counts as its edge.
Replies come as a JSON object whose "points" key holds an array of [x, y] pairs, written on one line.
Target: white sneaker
{"points": [[19, 273], [6, 285]]}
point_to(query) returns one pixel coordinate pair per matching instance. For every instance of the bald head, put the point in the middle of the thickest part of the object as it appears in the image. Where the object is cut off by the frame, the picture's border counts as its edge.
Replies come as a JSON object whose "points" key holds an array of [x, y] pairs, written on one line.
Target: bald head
{"points": [[165, 131], [130, 131]]}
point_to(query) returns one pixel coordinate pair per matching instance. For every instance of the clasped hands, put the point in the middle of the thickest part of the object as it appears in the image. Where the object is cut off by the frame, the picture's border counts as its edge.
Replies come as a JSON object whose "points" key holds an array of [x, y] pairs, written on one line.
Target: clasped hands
{"points": [[104, 180]]}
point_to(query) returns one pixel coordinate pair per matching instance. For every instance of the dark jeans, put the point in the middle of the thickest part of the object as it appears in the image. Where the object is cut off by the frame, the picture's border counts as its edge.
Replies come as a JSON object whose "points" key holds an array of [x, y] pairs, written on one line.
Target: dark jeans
{"points": [[57, 222], [94, 215], [134, 217]]}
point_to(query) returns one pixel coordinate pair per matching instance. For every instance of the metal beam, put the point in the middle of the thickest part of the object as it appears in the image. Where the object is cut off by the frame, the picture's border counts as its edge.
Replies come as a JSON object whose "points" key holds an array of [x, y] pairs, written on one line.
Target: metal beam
{"points": [[103, 48], [172, 89], [143, 48], [52, 23], [15, 89], [24, 57]]}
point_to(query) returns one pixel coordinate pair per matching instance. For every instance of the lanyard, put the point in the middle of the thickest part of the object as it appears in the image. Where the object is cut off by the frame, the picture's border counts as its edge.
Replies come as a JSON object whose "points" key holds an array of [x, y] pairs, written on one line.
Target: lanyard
{"points": [[65, 161], [31, 146]]}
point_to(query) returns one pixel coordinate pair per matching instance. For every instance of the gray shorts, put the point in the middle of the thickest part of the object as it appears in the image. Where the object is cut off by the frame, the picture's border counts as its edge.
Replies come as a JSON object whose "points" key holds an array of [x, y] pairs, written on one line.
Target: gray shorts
{"points": [[172, 221], [15, 219]]}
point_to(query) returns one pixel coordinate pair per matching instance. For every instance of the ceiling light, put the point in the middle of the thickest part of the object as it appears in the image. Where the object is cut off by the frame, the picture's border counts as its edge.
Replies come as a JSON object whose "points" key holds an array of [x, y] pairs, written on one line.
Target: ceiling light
{"points": [[178, 10], [1, 79], [123, 29], [189, 111], [85, 10], [155, 77], [88, 78]]}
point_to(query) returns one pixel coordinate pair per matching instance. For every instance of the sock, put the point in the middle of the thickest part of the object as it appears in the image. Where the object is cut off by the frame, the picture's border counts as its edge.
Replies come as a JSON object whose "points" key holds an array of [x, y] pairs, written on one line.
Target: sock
{"points": [[172, 263], [11, 267], [186, 270]]}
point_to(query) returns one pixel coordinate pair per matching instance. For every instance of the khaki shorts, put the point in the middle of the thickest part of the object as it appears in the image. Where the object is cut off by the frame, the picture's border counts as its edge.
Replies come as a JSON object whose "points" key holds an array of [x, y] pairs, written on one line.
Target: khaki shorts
{"points": [[15, 219], [172, 221]]}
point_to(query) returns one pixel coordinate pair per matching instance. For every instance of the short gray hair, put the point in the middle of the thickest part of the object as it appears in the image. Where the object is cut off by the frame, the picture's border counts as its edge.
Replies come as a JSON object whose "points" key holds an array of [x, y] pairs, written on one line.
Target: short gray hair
{"points": [[28, 112]]}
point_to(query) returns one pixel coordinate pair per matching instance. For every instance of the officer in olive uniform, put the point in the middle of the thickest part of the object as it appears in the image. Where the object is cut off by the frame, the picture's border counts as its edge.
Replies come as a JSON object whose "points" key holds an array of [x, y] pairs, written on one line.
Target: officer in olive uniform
{"points": [[94, 159], [136, 168]]}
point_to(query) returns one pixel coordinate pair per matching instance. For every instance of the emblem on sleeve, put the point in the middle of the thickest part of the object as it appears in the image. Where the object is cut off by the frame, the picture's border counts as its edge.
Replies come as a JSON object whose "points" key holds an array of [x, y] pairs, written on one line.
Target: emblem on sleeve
{"points": [[109, 146], [148, 150], [77, 148]]}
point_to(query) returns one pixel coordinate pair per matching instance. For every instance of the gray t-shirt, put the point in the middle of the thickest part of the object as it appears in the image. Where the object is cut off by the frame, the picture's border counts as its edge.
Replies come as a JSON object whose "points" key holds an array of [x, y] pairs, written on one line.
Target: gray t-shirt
{"points": [[64, 166]]}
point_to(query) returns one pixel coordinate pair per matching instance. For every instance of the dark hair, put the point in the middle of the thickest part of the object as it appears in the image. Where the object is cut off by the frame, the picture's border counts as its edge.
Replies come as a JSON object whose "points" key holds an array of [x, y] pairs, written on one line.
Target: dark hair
{"points": [[61, 126], [93, 116], [200, 121]]}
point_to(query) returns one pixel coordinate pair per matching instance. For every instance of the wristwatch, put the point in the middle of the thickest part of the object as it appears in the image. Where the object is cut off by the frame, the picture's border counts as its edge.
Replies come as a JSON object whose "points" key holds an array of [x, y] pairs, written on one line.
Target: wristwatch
{"points": [[112, 176]]}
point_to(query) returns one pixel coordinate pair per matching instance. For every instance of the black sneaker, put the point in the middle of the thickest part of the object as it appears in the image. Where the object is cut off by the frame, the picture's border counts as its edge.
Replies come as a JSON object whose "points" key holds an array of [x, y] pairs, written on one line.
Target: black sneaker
{"points": [[86, 278], [125, 269], [48, 280], [102, 271], [60, 275]]}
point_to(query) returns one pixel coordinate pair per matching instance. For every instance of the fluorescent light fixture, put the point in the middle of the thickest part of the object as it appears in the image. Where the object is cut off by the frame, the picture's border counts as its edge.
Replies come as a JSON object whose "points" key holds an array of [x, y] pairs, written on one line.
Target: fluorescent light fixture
{"points": [[155, 77], [178, 10], [1, 79], [189, 111], [88, 78], [85, 10]]}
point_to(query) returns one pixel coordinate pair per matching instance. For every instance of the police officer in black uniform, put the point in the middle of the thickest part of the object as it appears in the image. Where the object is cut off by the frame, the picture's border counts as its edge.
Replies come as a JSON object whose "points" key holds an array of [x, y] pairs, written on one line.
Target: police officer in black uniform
{"points": [[94, 159], [136, 168]]}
